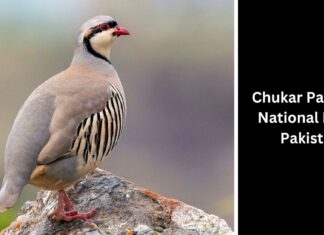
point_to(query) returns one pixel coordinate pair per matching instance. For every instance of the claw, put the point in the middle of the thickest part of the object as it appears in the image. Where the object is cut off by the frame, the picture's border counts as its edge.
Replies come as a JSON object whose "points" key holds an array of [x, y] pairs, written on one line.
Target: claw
{"points": [[71, 214], [77, 216]]}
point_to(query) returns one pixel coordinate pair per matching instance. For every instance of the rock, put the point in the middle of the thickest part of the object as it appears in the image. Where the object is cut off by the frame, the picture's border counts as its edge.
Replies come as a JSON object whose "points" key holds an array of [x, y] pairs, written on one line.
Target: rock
{"points": [[122, 208]]}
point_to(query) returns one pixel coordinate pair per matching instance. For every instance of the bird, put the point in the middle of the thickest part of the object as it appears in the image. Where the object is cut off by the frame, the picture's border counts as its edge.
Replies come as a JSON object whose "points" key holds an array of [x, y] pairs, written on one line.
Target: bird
{"points": [[69, 123]]}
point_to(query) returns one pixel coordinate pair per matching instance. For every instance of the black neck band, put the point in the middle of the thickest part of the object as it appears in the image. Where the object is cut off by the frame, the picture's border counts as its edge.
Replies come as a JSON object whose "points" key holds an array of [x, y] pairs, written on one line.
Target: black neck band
{"points": [[87, 44]]}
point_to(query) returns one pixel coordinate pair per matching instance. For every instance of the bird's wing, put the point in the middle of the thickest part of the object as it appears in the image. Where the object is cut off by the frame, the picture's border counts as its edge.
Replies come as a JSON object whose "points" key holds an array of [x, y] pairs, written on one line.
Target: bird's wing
{"points": [[70, 111]]}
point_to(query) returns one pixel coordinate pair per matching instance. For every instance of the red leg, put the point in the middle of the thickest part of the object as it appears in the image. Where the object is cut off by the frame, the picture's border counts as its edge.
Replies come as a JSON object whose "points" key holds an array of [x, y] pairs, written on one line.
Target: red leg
{"points": [[71, 214], [70, 208]]}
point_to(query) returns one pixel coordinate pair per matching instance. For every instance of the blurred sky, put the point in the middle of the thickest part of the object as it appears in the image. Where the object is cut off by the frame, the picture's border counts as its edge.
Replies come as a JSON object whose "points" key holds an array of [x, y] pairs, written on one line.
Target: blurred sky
{"points": [[177, 71]]}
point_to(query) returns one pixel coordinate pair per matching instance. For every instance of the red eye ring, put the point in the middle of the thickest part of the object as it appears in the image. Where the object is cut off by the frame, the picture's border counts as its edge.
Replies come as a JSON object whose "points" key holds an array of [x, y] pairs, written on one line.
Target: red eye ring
{"points": [[104, 26]]}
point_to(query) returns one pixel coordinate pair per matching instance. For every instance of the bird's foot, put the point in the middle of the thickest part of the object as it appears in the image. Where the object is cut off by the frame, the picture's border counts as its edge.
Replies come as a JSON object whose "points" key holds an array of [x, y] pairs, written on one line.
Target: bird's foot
{"points": [[69, 213], [71, 216], [72, 212]]}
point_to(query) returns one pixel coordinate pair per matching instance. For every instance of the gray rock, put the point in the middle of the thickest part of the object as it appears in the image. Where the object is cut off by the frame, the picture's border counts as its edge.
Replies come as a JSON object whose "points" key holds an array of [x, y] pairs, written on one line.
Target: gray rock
{"points": [[122, 209]]}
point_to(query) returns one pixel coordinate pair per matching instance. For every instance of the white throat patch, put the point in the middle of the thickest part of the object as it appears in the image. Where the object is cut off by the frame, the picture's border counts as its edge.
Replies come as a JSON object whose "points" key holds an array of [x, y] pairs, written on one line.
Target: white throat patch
{"points": [[102, 42]]}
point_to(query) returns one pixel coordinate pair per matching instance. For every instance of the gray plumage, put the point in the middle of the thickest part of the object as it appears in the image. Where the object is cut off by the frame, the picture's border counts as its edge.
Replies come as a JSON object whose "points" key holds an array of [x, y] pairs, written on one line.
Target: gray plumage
{"points": [[69, 123]]}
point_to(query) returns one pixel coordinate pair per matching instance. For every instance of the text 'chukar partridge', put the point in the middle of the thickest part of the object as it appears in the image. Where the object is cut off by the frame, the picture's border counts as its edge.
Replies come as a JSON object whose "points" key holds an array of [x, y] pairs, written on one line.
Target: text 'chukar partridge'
{"points": [[69, 124]]}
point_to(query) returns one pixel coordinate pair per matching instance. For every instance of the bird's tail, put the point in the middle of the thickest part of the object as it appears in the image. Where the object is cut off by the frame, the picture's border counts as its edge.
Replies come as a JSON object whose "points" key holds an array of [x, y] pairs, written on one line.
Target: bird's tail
{"points": [[9, 194]]}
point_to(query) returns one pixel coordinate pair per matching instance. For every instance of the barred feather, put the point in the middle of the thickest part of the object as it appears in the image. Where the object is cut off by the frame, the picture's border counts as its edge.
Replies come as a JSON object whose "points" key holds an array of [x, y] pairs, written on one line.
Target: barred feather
{"points": [[98, 135]]}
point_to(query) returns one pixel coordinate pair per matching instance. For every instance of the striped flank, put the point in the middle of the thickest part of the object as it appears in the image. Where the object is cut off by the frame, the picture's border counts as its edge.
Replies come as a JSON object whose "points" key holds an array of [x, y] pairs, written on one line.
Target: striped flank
{"points": [[98, 135]]}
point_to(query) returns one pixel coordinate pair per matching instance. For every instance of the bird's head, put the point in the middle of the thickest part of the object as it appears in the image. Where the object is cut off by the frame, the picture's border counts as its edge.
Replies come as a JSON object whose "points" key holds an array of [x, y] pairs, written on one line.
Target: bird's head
{"points": [[98, 34]]}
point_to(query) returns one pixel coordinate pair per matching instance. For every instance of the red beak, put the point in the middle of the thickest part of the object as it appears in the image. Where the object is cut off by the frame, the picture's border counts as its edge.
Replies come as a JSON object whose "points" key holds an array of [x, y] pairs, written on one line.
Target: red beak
{"points": [[121, 31]]}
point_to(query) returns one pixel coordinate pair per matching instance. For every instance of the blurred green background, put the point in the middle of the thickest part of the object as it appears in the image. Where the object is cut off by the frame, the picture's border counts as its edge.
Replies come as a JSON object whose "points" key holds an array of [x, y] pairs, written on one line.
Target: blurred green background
{"points": [[177, 70]]}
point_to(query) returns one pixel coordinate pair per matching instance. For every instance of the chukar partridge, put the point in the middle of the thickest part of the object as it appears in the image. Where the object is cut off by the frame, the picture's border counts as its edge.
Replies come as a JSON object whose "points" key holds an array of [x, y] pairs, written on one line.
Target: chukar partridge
{"points": [[69, 124]]}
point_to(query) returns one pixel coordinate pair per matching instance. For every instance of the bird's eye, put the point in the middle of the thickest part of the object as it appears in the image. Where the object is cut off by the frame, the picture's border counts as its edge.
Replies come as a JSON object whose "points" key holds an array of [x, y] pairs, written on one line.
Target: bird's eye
{"points": [[104, 26], [112, 24]]}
